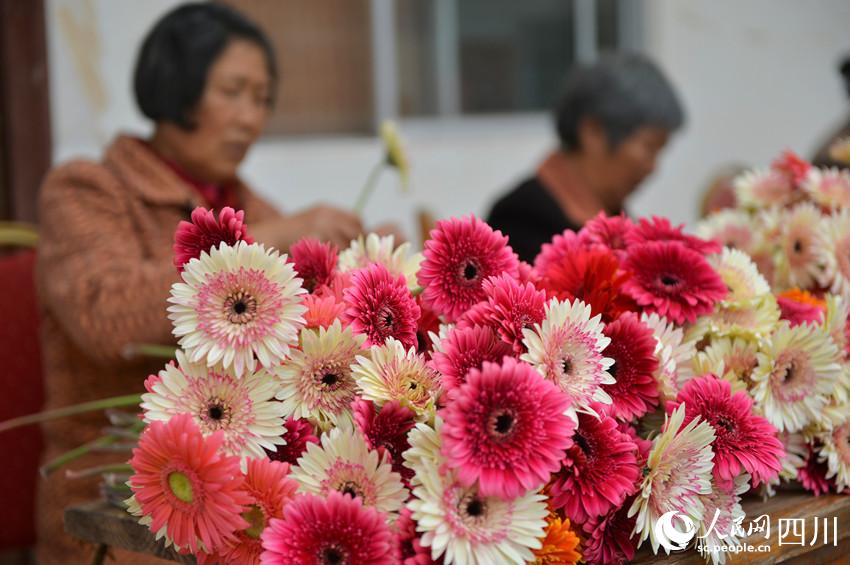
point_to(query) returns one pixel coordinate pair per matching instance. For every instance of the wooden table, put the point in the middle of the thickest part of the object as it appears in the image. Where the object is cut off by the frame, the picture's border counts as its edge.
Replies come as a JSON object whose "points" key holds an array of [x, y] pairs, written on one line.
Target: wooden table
{"points": [[105, 525]]}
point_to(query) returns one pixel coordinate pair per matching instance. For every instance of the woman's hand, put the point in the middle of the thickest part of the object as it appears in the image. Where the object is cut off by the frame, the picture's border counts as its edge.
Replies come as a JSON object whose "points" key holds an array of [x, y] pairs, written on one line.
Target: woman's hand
{"points": [[322, 222]]}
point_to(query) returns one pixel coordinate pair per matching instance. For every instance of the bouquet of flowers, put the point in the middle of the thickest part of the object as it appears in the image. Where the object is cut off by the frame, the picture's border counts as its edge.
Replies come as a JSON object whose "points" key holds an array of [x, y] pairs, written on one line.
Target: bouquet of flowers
{"points": [[375, 405]]}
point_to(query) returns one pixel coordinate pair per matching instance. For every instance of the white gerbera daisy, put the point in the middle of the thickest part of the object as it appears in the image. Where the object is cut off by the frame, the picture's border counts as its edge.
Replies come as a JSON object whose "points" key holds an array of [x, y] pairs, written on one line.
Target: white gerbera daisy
{"points": [[835, 322], [760, 188], [836, 453], [674, 352], [316, 382], [567, 349], [731, 228], [828, 187], [732, 359], [382, 250], [740, 275], [797, 372], [466, 528], [425, 445], [391, 373], [237, 304], [723, 515], [678, 475], [244, 409], [344, 463], [835, 253], [753, 320], [801, 241]]}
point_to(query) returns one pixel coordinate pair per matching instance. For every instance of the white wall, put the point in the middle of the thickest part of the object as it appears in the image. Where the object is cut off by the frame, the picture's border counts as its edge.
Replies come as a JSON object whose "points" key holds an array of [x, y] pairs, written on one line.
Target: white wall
{"points": [[756, 76]]}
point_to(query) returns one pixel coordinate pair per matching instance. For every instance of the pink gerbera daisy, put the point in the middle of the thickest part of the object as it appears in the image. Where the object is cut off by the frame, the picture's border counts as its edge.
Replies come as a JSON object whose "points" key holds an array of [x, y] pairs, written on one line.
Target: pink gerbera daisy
{"points": [[186, 487], [299, 432], [743, 441], [429, 322], [800, 307], [562, 245], [465, 349], [792, 166], [270, 489], [386, 430], [673, 281], [506, 429], [600, 469], [408, 545], [336, 529], [379, 306], [314, 261], [205, 232], [812, 475], [610, 232], [660, 229], [322, 311], [513, 308], [608, 537], [460, 255], [632, 348]]}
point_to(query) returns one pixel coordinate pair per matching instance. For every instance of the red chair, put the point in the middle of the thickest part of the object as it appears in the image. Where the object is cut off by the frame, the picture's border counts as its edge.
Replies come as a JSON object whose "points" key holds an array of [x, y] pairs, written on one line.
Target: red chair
{"points": [[21, 393]]}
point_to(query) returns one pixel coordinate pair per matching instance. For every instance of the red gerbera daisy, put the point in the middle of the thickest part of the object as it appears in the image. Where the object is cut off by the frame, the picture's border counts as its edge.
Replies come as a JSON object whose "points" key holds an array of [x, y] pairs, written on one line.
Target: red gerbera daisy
{"points": [[743, 441], [408, 544], [269, 487], [632, 348], [379, 306], [299, 432], [314, 261], [527, 274], [600, 469], [608, 537], [186, 487], [465, 349], [609, 232], [205, 232], [561, 246], [506, 429], [513, 308], [673, 281], [644, 446], [801, 307], [459, 256], [792, 165], [592, 276], [428, 322], [336, 529], [660, 229], [812, 475], [386, 430]]}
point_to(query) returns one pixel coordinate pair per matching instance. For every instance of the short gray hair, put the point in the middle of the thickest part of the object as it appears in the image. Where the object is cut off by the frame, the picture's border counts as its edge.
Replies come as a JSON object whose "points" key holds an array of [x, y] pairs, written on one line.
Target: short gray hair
{"points": [[624, 92]]}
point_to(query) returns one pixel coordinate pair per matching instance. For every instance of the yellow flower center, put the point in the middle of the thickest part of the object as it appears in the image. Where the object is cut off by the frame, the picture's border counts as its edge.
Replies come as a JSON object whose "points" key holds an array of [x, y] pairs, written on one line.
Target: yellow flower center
{"points": [[257, 520], [181, 486]]}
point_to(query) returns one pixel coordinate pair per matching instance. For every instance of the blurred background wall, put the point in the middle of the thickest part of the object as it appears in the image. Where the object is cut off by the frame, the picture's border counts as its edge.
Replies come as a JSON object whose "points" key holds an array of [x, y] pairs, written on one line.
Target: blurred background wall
{"points": [[470, 82]]}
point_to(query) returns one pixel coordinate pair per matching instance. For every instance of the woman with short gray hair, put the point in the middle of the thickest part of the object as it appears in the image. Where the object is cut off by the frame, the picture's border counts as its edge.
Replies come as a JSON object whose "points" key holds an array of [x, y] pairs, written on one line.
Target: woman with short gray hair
{"points": [[613, 119]]}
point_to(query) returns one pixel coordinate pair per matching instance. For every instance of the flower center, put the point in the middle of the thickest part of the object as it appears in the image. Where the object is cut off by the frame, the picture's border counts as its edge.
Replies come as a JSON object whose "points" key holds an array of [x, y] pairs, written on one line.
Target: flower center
{"points": [[181, 486], [798, 246], [567, 366], [256, 520], [469, 272], [240, 307], [216, 413], [473, 507], [669, 280], [726, 423], [580, 441], [329, 379], [502, 423], [332, 555], [612, 370], [351, 488], [386, 319]]}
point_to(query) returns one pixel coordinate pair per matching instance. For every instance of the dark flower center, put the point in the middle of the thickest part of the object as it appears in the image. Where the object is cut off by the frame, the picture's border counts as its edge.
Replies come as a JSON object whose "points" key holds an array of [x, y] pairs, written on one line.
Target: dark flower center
{"points": [[580, 441], [567, 366], [612, 370], [329, 379], [350, 488], [669, 280], [504, 422], [475, 507], [332, 555], [470, 272], [725, 423], [798, 246], [240, 307], [215, 412]]}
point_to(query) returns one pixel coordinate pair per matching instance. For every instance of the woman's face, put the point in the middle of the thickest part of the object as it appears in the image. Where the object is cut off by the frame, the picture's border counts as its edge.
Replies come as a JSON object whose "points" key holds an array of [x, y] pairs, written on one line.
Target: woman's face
{"points": [[230, 116], [635, 158]]}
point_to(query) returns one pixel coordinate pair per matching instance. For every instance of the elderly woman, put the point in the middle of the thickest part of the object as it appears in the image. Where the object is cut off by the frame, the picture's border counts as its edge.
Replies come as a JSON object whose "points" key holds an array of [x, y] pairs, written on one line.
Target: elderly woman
{"points": [[205, 76], [613, 120]]}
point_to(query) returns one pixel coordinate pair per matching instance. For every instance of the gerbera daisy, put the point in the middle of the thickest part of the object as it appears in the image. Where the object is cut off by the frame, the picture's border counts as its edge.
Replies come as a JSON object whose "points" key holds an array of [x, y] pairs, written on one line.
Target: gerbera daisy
{"points": [[792, 165], [797, 371], [527, 274], [740, 275], [733, 359], [800, 240], [243, 409], [836, 322], [762, 188], [463, 526], [608, 537], [299, 432], [743, 440], [801, 307], [592, 276], [513, 307], [673, 281], [836, 453], [408, 546], [812, 475], [314, 262], [829, 188], [386, 430], [237, 305], [428, 322], [465, 349], [600, 469], [425, 446], [382, 250], [676, 476], [753, 320], [835, 252], [660, 229], [336, 529], [562, 245], [345, 464], [723, 515], [610, 232], [317, 382], [560, 544], [322, 311], [507, 429], [672, 351], [460, 255], [270, 489], [632, 348], [567, 349], [380, 306], [730, 228], [187, 487], [391, 373], [205, 232]]}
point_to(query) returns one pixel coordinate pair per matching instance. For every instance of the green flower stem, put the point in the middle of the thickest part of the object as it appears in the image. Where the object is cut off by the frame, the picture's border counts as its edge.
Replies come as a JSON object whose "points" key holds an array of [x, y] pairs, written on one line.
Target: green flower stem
{"points": [[134, 350], [93, 406], [368, 187], [75, 454], [99, 470]]}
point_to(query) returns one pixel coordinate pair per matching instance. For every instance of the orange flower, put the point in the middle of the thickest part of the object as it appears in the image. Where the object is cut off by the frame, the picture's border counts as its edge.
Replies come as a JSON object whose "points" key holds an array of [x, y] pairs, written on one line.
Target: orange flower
{"points": [[560, 545], [803, 297]]}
